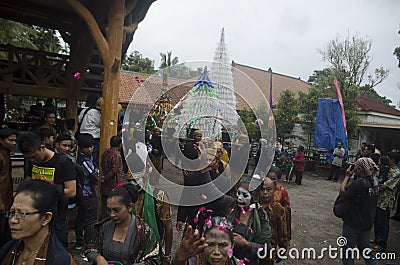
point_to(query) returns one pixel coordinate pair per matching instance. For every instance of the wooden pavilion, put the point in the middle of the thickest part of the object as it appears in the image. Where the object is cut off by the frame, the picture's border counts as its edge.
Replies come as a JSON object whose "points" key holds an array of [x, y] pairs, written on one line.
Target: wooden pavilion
{"points": [[98, 32]]}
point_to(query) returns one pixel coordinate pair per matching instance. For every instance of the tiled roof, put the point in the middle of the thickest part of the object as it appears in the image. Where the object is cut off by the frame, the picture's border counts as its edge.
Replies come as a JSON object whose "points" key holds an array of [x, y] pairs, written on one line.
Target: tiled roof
{"points": [[130, 81], [368, 103], [279, 82]]}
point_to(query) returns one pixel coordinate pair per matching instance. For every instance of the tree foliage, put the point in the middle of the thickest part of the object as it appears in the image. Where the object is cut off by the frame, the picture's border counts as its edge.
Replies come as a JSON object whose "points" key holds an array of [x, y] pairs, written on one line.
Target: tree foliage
{"points": [[46, 39], [351, 109], [16, 34], [285, 114], [397, 53], [29, 36], [167, 60], [308, 113], [323, 79], [248, 117], [183, 71], [350, 60], [137, 63]]}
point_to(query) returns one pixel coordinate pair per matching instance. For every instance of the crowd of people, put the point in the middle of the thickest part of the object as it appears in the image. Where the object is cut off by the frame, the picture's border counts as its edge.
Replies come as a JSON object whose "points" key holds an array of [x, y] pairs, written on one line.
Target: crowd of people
{"points": [[367, 196], [291, 161], [243, 225], [135, 222]]}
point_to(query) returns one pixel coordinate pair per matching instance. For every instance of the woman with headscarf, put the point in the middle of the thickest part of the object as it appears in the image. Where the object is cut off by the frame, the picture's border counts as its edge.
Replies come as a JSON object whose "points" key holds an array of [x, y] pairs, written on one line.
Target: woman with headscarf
{"points": [[361, 196]]}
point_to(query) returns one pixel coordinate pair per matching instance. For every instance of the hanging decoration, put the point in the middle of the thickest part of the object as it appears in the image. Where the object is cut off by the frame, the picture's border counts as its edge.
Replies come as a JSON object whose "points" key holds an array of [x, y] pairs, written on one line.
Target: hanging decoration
{"points": [[138, 80], [258, 123], [77, 75], [189, 125], [159, 111]]}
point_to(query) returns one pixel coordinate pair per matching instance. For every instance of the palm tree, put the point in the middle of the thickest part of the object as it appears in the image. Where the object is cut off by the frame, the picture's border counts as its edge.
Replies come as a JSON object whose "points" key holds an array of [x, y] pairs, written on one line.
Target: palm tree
{"points": [[166, 60]]}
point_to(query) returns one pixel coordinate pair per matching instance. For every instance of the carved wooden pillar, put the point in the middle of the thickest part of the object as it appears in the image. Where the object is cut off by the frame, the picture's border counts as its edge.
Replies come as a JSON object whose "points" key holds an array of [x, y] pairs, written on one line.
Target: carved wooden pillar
{"points": [[110, 108]]}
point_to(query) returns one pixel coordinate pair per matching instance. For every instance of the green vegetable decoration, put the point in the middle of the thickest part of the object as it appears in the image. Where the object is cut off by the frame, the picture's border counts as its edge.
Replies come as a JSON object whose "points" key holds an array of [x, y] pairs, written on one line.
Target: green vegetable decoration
{"points": [[159, 111]]}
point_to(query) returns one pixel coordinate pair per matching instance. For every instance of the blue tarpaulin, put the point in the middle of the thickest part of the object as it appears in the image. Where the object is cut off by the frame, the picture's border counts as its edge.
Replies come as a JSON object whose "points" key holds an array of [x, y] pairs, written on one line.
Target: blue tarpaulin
{"points": [[329, 128]]}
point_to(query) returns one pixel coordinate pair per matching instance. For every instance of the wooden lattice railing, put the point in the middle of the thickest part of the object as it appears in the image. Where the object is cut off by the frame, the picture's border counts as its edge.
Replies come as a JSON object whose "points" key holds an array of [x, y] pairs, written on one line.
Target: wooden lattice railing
{"points": [[27, 67], [32, 67]]}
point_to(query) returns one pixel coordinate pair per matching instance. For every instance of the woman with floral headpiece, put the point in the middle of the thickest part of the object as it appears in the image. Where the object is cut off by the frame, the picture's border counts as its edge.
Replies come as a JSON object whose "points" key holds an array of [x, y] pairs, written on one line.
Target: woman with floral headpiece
{"points": [[214, 247]]}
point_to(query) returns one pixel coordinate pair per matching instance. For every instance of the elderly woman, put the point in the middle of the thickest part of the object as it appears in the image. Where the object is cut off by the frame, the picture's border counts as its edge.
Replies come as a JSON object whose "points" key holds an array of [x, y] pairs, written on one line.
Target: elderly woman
{"points": [[213, 248], [124, 238], [30, 219]]}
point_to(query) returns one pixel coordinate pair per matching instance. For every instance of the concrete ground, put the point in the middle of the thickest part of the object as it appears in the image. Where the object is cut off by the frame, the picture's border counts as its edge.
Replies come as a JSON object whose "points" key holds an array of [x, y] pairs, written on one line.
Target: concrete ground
{"points": [[313, 222]]}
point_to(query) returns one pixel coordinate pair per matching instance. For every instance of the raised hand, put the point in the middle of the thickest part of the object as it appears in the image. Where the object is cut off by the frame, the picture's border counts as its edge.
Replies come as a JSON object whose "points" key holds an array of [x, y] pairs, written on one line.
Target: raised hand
{"points": [[191, 245]]}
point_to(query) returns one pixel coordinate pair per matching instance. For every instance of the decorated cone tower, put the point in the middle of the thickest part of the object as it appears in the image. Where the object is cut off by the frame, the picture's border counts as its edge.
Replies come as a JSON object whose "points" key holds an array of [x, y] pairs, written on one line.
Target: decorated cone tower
{"points": [[222, 77], [200, 109]]}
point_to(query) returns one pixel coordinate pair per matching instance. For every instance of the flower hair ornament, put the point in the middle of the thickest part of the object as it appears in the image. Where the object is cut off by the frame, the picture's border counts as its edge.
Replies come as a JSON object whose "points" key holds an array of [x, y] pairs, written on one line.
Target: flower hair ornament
{"points": [[118, 186], [220, 222]]}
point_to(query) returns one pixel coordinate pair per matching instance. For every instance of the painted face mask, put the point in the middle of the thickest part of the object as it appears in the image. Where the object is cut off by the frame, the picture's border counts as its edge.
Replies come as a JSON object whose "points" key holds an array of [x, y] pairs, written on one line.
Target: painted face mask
{"points": [[243, 197], [141, 181]]}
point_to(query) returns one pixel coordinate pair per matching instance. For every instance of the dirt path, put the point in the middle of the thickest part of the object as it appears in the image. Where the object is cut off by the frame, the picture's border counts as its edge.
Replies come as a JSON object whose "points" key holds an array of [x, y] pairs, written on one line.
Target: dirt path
{"points": [[314, 224]]}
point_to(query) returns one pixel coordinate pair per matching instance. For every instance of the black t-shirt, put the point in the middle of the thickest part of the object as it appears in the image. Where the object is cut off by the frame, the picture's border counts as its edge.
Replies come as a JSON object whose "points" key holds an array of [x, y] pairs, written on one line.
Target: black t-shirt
{"points": [[226, 138], [56, 171], [362, 216], [156, 144], [238, 161], [189, 151]]}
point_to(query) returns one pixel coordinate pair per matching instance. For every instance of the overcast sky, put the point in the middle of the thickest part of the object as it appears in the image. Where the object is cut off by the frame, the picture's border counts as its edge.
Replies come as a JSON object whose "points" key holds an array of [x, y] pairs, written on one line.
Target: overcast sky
{"points": [[284, 35]]}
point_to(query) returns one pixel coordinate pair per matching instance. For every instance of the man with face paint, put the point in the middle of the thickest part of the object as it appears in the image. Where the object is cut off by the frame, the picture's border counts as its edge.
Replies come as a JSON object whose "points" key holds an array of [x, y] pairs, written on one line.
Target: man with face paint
{"points": [[243, 197], [251, 225]]}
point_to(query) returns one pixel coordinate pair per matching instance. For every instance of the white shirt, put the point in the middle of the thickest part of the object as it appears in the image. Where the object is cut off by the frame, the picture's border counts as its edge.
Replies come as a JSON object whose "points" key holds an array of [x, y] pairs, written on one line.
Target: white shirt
{"points": [[337, 161], [91, 122]]}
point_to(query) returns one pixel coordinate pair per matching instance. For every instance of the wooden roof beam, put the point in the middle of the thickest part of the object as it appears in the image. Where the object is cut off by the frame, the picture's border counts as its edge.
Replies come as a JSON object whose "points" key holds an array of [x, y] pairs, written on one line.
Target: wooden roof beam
{"points": [[35, 91], [36, 15]]}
